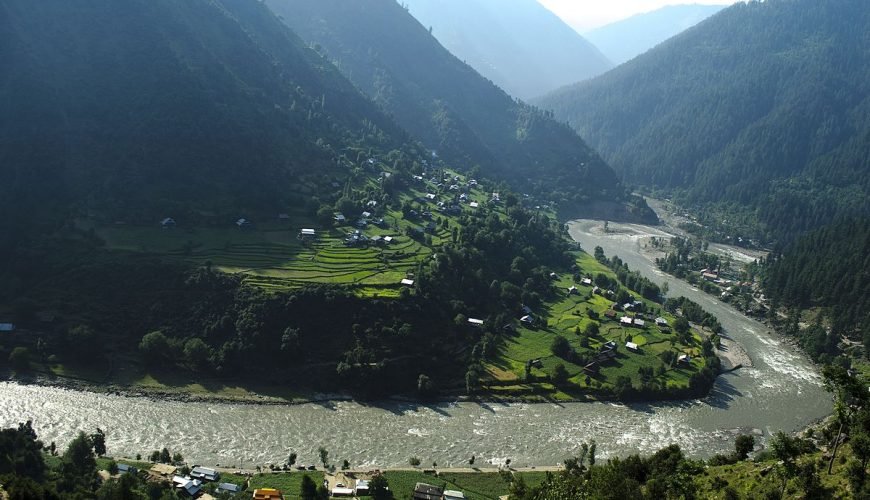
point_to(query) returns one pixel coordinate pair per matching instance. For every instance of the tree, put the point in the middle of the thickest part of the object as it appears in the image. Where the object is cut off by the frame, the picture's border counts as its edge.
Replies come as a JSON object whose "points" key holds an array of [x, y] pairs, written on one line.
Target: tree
{"points": [[165, 456], [78, 469], [379, 489], [291, 460], [471, 460], [197, 353], [177, 458], [99, 440], [743, 446], [681, 325], [19, 359], [324, 456], [414, 461], [560, 346], [308, 490], [154, 347], [21, 452], [345, 465], [560, 374]]}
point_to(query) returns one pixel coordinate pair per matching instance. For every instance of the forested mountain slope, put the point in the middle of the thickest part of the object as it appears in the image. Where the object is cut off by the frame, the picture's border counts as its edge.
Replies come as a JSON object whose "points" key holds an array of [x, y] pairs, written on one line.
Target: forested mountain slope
{"points": [[828, 268], [519, 44], [763, 107], [627, 38], [441, 100], [138, 108]]}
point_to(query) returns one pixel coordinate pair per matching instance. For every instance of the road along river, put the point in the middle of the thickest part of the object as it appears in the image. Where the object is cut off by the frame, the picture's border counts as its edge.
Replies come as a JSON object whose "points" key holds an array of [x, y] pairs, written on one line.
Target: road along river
{"points": [[782, 391]]}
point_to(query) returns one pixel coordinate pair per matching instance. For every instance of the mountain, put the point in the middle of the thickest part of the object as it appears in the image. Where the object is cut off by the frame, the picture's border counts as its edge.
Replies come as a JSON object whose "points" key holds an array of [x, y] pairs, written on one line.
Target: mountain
{"points": [[518, 44], [450, 107], [140, 107], [760, 110], [625, 39]]}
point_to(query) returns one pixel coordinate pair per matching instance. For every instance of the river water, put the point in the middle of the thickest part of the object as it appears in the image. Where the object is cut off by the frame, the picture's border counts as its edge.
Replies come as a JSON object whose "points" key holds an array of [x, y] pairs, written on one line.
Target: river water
{"points": [[782, 391]]}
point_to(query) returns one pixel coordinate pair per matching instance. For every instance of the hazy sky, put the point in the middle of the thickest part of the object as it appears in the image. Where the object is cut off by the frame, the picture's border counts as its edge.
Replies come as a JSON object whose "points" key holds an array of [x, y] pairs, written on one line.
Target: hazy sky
{"points": [[584, 15]]}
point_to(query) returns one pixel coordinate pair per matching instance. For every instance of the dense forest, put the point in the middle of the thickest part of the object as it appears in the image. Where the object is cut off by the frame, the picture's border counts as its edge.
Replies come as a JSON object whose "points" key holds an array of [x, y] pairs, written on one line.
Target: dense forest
{"points": [[450, 107], [827, 269], [761, 110]]}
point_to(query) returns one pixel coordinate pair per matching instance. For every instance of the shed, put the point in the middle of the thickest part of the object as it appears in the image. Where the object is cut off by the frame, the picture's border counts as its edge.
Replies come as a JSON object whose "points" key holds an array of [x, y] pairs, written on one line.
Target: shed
{"points": [[163, 469], [475, 322], [267, 494], [307, 234], [408, 282], [631, 346], [362, 487], [474, 204], [127, 469], [228, 488], [453, 495]]}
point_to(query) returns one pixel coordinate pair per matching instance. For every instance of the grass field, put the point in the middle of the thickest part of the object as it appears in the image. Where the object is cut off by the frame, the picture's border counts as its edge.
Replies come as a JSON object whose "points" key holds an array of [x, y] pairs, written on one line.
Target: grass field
{"points": [[271, 256], [568, 315]]}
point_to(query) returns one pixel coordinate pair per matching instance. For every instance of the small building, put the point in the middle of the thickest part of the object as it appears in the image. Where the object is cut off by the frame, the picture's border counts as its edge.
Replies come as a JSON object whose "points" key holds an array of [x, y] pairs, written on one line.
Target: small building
{"points": [[423, 491], [408, 282], [205, 473], [661, 321], [127, 469], [586, 281], [341, 491], [474, 204], [190, 486], [526, 309], [307, 234], [388, 239], [366, 215], [243, 223], [639, 323], [283, 217], [377, 240], [554, 276], [528, 319], [592, 368], [710, 276], [228, 488], [362, 487], [684, 359], [608, 346], [626, 321], [430, 196], [573, 290], [167, 223], [164, 470], [610, 313], [453, 495], [475, 322], [631, 346], [7, 327], [267, 494], [340, 218]]}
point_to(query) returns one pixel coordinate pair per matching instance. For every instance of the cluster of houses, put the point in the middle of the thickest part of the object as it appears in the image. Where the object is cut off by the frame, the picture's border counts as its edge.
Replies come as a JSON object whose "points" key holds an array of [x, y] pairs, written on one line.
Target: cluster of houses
{"points": [[423, 491], [191, 485]]}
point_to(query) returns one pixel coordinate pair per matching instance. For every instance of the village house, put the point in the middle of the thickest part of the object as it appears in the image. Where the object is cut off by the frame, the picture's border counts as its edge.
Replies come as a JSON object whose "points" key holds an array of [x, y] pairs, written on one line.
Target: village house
{"points": [[684, 359], [475, 322], [407, 282], [243, 223], [127, 469], [528, 319], [626, 321], [167, 223], [453, 495], [361, 488], [586, 281], [639, 323], [190, 486], [474, 204], [307, 234], [7, 327], [205, 473], [163, 470], [573, 290], [423, 491], [340, 218], [631, 346]]}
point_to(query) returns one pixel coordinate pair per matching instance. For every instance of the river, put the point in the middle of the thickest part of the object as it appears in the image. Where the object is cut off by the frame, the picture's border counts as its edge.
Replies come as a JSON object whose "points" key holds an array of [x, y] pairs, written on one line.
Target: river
{"points": [[782, 391]]}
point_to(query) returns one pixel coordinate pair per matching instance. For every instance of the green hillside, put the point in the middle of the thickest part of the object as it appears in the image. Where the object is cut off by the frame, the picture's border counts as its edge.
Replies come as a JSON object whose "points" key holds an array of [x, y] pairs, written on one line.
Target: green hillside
{"points": [[464, 117], [761, 109]]}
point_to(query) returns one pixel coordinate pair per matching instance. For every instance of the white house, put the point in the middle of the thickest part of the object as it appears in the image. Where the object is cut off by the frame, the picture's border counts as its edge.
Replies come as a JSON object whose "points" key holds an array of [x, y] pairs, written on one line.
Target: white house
{"points": [[475, 322], [631, 346]]}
